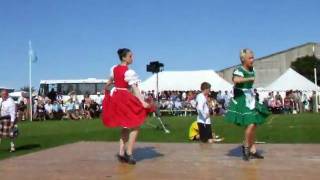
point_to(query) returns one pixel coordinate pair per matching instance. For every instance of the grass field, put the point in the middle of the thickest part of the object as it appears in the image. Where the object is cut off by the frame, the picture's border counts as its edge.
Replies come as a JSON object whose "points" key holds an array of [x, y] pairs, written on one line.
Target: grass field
{"points": [[35, 136]]}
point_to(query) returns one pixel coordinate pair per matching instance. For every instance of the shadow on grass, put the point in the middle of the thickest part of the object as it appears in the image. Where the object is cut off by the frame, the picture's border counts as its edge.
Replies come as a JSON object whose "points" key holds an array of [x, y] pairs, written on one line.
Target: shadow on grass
{"points": [[145, 153], [28, 147], [237, 152]]}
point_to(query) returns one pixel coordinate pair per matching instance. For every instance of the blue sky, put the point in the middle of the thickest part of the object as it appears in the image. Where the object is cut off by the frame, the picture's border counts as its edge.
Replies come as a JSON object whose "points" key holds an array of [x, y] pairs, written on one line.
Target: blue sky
{"points": [[79, 39]]}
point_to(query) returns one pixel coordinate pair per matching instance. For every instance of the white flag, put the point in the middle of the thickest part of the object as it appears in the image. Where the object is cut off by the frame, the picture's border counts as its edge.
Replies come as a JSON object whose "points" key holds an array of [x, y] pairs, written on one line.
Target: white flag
{"points": [[32, 54]]}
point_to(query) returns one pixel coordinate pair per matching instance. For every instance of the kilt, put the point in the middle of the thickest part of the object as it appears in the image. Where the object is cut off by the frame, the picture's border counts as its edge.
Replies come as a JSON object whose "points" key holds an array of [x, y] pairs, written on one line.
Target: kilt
{"points": [[6, 131]]}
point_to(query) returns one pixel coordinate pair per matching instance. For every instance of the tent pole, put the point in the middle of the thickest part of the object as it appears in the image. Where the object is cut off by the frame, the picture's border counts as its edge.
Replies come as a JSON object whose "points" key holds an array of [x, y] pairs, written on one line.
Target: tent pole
{"points": [[30, 81], [315, 82]]}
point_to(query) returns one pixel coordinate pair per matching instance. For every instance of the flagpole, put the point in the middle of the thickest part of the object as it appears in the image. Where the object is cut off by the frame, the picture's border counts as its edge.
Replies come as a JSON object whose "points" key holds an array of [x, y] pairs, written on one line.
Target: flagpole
{"points": [[30, 82]]}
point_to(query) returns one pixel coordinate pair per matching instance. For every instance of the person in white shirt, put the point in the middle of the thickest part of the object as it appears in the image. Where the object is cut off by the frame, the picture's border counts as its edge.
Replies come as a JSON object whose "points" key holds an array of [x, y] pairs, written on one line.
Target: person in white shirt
{"points": [[226, 98], [7, 118], [203, 118], [184, 96], [99, 100], [49, 109]]}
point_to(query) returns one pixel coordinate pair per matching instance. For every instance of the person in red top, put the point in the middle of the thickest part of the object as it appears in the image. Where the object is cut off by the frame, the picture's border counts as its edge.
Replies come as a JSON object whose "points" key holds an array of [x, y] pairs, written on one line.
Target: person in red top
{"points": [[124, 106]]}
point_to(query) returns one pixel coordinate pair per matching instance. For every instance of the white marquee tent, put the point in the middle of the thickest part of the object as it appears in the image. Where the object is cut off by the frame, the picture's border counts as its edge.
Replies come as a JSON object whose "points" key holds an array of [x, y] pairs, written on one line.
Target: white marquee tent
{"points": [[291, 80], [185, 81]]}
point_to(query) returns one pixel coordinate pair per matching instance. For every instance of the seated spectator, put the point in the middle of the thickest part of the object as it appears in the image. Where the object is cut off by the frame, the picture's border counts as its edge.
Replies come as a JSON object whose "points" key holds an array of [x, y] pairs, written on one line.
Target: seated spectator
{"points": [[163, 104], [79, 111], [87, 103], [278, 97], [287, 104], [184, 96], [94, 109], [193, 103], [99, 100], [271, 100], [70, 110], [177, 107], [41, 111], [220, 98], [57, 110], [48, 109], [275, 103]]}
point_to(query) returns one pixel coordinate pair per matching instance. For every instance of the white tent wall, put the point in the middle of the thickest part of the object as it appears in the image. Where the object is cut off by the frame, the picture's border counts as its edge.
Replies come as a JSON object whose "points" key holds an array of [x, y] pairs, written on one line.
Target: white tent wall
{"points": [[185, 81], [291, 80]]}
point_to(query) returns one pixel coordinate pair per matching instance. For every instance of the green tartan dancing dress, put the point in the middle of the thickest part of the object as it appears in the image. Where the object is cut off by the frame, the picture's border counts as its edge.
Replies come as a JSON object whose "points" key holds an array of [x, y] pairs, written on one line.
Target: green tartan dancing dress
{"points": [[243, 109]]}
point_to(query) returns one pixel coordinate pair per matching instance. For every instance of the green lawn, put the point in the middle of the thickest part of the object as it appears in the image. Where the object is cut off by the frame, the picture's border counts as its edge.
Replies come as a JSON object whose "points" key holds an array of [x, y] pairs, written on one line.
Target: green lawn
{"points": [[304, 128]]}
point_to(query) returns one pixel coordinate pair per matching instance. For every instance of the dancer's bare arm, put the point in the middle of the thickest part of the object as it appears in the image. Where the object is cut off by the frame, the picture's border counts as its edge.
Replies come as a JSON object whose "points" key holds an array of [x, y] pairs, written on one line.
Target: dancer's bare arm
{"points": [[109, 83], [238, 79], [137, 93]]}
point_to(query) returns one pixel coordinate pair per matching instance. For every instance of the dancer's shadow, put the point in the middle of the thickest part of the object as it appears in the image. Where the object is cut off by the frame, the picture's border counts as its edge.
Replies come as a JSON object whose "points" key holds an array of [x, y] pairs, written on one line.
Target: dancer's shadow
{"points": [[145, 153], [237, 152], [28, 147]]}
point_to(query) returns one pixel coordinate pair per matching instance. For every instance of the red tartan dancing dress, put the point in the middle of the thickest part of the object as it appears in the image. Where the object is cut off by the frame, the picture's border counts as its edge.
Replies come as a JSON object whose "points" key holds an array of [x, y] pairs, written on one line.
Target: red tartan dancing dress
{"points": [[120, 107]]}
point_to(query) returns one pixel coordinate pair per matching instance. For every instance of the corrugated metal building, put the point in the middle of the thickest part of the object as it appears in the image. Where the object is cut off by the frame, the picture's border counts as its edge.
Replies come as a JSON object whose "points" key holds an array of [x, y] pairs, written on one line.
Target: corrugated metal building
{"points": [[269, 68]]}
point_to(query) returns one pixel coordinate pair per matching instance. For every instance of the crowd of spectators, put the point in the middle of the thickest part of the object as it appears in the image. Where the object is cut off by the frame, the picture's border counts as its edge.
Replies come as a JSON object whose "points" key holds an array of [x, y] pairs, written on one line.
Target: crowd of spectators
{"points": [[184, 102], [54, 106], [292, 102]]}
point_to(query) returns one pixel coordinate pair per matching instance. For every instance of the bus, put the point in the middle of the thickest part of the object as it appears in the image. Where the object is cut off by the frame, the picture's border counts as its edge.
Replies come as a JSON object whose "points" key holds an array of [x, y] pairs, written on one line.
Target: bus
{"points": [[5, 88], [78, 87]]}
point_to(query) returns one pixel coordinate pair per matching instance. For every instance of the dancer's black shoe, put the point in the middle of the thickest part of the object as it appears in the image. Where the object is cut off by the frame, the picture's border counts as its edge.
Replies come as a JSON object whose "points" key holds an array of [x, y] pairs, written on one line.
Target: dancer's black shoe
{"points": [[130, 159], [245, 153], [121, 159], [256, 155]]}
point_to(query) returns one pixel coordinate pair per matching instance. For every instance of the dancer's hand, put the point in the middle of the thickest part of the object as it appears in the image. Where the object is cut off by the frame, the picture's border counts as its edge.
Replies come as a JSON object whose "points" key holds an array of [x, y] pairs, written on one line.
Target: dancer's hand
{"points": [[146, 105], [251, 79]]}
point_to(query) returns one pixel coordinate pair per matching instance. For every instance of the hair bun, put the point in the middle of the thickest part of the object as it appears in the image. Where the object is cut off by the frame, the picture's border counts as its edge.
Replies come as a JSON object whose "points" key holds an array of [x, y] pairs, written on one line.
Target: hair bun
{"points": [[122, 52]]}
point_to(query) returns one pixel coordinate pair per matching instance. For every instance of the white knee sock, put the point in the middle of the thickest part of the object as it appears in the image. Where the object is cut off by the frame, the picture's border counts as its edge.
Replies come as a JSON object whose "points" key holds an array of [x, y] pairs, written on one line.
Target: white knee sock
{"points": [[12, 144]]}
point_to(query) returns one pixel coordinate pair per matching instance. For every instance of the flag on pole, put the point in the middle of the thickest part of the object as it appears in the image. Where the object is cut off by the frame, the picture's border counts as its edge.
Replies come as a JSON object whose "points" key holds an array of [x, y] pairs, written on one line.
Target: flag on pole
{"points": [[32, 54]]}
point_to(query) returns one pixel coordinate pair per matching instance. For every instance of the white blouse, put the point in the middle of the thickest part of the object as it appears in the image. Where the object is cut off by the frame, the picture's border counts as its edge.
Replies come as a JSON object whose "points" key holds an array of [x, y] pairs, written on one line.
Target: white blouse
{"points": [[8, 107], [131, 77]]}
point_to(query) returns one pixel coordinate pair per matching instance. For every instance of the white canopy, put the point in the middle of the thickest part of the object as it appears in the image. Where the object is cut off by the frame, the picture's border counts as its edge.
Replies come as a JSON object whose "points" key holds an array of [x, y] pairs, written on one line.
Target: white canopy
{"points": [[89, 80], [185, 81], [291, 80], [18, 94]]}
